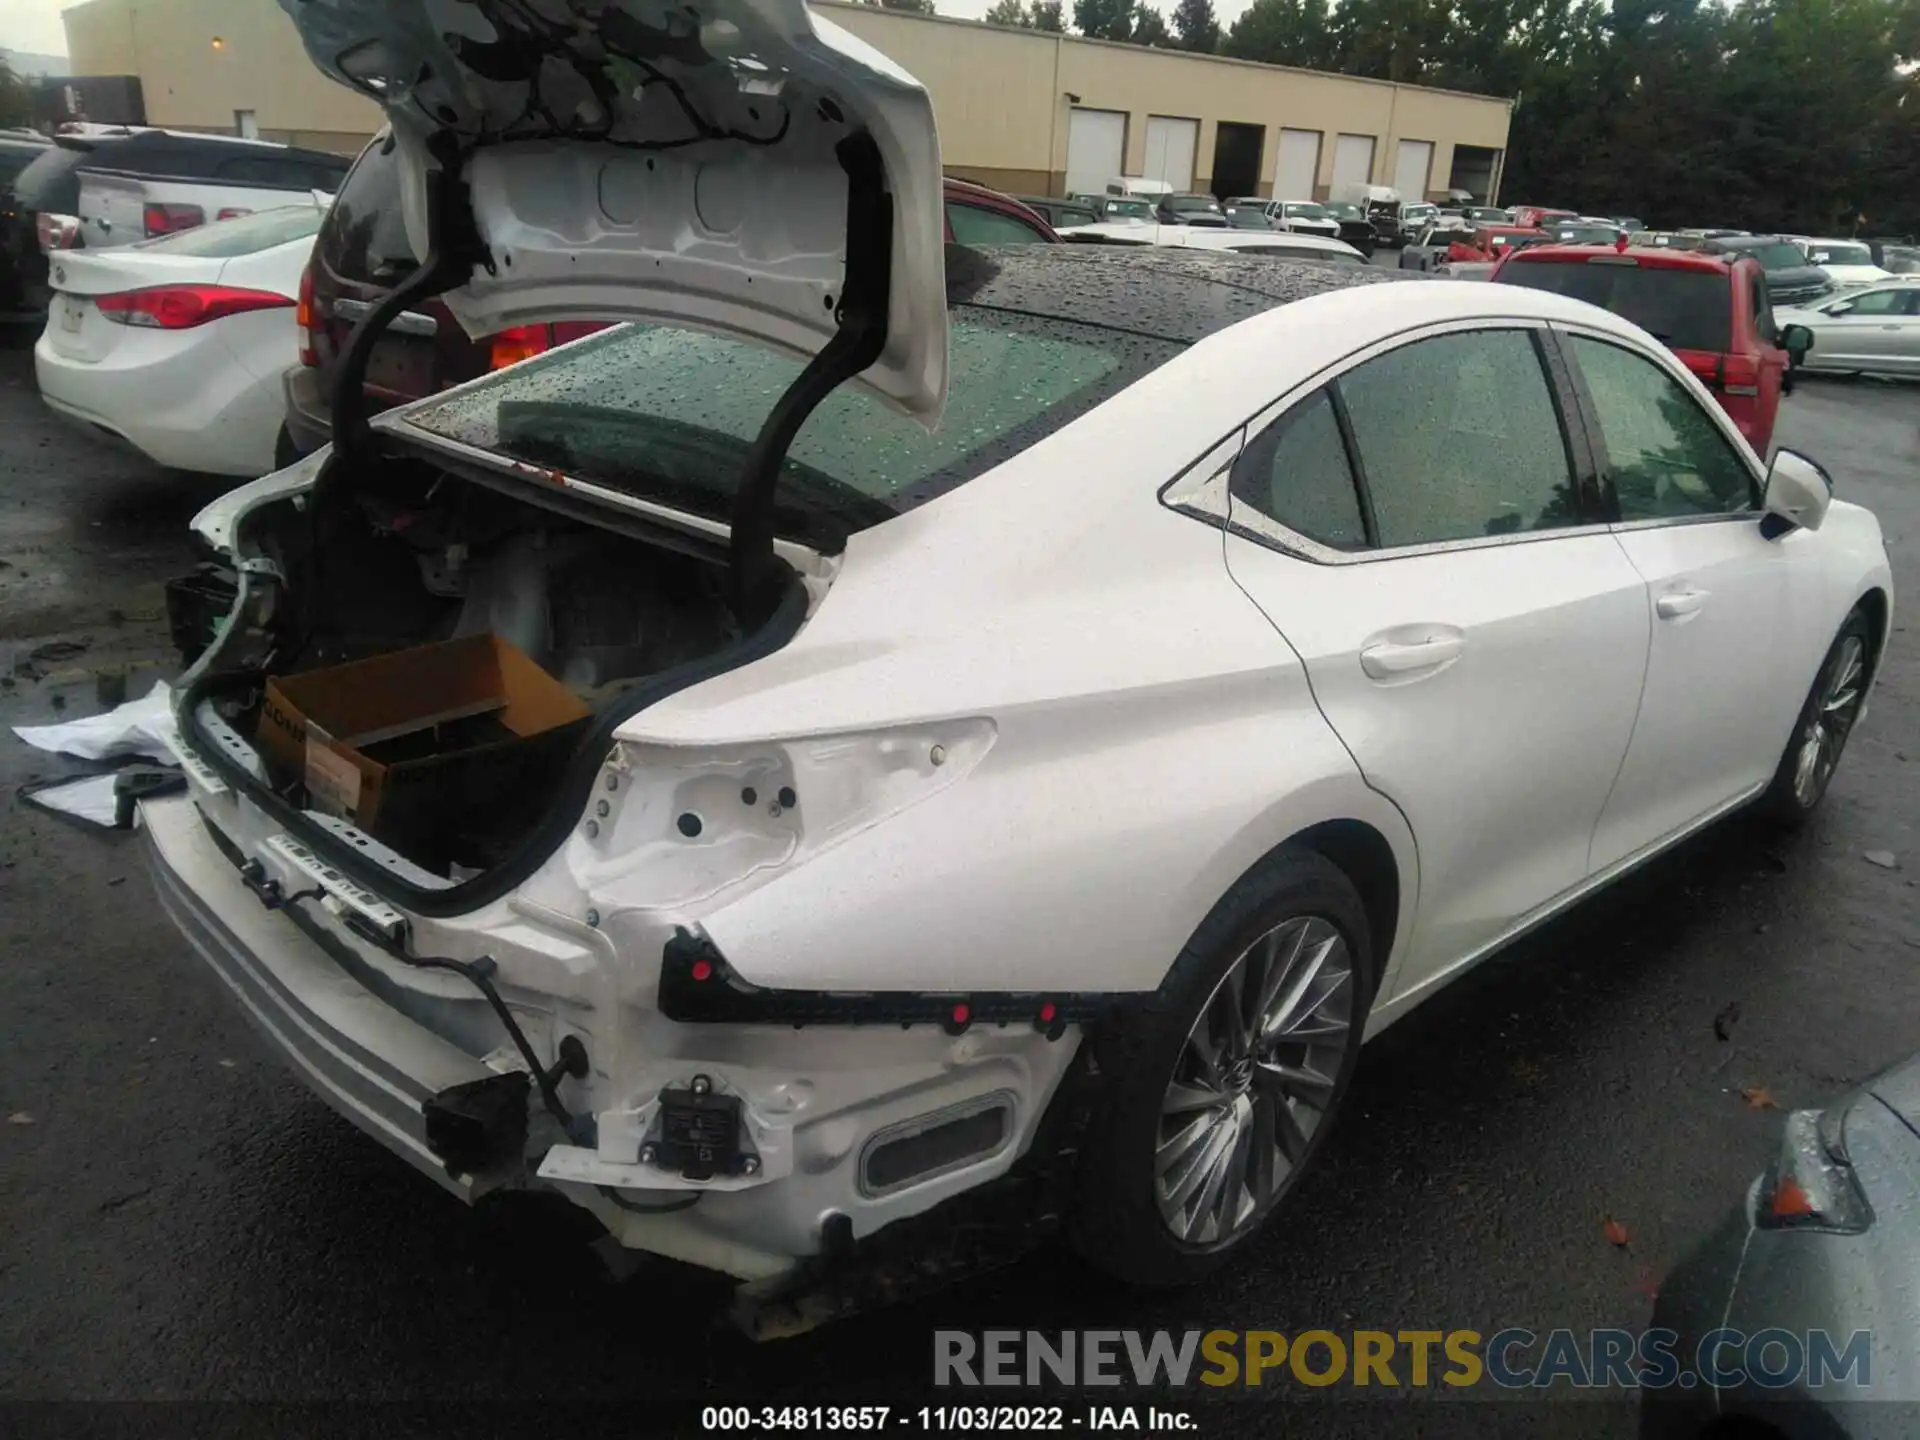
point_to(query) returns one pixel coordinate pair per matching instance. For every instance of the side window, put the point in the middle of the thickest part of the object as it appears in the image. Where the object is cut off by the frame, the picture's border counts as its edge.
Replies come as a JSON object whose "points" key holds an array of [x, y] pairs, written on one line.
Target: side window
{"points": [[976, 225], [1881, 302], [1669, 460], [1458, 438], [1296, 472]]}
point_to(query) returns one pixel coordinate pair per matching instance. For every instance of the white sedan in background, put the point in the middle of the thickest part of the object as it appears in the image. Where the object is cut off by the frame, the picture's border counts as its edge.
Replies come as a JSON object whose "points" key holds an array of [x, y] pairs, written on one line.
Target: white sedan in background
{"points": [[1874, 330], [178, 345]]}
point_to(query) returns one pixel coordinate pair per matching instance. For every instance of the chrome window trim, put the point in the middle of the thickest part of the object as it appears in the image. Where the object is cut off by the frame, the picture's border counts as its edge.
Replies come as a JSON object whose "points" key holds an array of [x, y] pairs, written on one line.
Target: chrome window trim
{"points": [[1251, 524], [1667, 522], [1200, 490]]}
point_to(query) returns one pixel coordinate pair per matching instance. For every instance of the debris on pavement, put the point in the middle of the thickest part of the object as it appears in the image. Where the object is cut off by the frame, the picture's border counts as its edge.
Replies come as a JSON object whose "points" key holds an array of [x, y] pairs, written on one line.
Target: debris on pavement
{"points": [[89, 798], [138, 729], [1885, 859], [19, 1117], [55, 652], [1724, 1022], [1615, 1232], [1759, 1097]]}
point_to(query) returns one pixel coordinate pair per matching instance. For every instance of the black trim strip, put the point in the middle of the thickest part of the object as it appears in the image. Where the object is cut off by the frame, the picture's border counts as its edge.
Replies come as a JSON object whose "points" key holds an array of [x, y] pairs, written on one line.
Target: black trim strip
{"points": [[698, 987], [1355, 465], [1607, 499], [1579, 431], [570, 799]]}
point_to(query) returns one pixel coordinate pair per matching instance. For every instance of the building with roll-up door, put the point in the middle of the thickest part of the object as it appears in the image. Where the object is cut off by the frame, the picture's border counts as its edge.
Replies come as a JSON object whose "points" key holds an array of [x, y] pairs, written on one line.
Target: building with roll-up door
{"points": [[1024, 111]]}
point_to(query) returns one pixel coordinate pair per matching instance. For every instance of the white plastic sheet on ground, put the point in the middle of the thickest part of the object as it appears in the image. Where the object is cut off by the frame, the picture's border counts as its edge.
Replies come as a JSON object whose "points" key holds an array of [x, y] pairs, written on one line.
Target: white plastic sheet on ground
{"points": [[89, 798], [139, 729]]}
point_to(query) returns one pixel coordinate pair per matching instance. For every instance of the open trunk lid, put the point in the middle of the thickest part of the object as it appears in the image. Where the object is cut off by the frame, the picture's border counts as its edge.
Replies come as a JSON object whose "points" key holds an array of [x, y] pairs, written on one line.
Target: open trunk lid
{"points": [[637, 160]]}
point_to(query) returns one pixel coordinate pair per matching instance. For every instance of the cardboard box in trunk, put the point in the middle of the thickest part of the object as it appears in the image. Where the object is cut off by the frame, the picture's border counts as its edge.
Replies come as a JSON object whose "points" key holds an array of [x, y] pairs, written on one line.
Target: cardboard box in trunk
{"points": [[418, 747]]}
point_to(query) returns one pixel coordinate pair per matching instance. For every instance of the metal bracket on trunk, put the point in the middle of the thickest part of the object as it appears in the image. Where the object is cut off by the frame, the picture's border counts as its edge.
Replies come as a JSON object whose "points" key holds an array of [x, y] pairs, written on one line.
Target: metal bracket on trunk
{"points": [[754, 583]]}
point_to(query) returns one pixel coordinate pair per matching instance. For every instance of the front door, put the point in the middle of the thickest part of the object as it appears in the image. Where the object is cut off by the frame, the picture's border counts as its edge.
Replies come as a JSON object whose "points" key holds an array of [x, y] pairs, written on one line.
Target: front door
{"points": [[1719, 602], [1471, 629]]}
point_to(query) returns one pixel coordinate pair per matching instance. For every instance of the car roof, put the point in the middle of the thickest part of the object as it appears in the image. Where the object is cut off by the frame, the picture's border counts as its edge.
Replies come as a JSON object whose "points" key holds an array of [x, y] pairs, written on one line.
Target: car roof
{"points": [[1646, 257], [1162, 292]]}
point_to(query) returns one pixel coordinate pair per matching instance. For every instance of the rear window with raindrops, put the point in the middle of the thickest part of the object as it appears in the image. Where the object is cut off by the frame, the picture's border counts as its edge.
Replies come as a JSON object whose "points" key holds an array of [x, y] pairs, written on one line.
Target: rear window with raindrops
{"points": [[669, 414]]}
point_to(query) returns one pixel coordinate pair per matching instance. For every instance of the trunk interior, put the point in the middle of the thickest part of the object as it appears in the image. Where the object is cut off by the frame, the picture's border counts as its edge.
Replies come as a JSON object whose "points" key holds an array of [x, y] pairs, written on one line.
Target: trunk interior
{"points": [[610, 611]]}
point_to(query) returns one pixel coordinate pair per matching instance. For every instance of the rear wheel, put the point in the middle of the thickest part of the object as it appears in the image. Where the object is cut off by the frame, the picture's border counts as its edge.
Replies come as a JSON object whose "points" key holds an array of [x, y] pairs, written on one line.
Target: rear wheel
{"points": [[1226, 1081], [1826, 720]]}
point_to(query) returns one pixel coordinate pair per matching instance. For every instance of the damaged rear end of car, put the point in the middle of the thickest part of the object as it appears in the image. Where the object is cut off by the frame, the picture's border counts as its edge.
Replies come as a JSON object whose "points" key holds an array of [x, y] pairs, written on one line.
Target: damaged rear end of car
{"points": [[430, 844]]}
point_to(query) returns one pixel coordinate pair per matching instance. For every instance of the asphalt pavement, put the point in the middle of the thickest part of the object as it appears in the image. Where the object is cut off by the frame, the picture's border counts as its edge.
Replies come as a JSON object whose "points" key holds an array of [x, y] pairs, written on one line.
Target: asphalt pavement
{"points": [[180, 1220]]}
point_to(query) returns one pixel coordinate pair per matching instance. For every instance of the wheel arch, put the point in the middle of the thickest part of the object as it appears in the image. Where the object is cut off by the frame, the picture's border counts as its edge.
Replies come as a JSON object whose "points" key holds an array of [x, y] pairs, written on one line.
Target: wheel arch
{"points": [[1878, 608], [1376, 854]]}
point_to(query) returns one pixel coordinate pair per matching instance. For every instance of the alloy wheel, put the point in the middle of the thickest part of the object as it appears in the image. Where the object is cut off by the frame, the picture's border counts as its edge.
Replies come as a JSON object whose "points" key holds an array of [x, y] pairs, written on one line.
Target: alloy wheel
{"points": [[1830, 720], [1256, 1078]]}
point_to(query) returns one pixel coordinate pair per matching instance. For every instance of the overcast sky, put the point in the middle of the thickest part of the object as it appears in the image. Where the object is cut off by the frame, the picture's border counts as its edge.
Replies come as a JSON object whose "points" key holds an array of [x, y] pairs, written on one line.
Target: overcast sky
{"points": [[34, 25]]}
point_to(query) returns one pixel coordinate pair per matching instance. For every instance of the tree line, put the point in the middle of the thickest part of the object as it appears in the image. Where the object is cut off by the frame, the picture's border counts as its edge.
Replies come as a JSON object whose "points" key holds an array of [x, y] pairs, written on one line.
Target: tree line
{"points": [[1799, 115]]}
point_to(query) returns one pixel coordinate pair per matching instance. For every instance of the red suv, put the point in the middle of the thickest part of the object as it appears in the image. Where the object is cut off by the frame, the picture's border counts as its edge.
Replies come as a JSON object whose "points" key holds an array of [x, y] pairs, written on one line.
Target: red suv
{"points": [[1712, 311], [361, 252]]}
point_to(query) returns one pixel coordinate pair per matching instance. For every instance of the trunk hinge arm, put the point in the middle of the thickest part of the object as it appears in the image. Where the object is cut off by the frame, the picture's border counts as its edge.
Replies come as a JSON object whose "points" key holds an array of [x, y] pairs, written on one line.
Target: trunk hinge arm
{"points": [[753, 580], [454, 250]]}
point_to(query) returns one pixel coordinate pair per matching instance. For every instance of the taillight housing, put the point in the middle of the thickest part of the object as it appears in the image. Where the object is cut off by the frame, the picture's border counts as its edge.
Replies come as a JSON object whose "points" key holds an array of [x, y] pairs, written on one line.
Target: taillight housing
{"points": [[1811, 1186], [161, 220], [1739, 375], [182, 307], [306, 320], [521, 342]]}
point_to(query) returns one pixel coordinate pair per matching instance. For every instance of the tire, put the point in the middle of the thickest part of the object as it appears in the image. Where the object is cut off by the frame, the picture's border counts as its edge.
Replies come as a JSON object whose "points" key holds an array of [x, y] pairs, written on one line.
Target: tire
{"points": [[1123, 1221], [1821, 729]]}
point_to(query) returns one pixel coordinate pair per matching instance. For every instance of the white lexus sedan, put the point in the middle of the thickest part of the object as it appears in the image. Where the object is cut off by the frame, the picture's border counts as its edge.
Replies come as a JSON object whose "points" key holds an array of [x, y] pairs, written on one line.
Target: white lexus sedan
{"points": [[1051, 704]]}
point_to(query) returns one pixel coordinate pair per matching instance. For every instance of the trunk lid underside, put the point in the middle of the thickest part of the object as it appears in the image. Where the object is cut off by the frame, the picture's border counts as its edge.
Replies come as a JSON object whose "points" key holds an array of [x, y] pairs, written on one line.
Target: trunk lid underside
{"points": [[641, 161]]}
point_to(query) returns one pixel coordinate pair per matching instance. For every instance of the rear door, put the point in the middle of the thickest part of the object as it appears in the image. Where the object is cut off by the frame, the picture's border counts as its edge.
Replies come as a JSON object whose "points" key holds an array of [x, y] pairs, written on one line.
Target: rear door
{"points": [[1723, 681], [1422, 533]]}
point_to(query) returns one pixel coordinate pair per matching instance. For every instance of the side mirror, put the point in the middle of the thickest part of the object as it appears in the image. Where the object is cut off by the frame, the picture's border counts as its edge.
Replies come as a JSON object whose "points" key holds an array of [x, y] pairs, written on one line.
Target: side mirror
{"points": [[1840, 307], [1797, 341], [1798, 493]]}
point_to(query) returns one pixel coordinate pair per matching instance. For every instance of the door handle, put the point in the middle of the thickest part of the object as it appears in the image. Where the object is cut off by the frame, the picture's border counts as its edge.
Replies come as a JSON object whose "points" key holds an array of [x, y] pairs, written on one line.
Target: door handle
{"points": [[1677, 603], [1390, 658]]}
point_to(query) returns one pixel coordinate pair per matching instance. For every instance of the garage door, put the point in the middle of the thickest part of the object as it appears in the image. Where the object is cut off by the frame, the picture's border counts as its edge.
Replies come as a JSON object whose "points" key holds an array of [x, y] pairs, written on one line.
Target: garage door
{"points": [[1298, 166], [1411, 167], [1096, 149], [1170, 147], [1352, 160]]}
